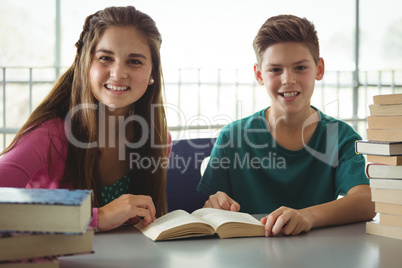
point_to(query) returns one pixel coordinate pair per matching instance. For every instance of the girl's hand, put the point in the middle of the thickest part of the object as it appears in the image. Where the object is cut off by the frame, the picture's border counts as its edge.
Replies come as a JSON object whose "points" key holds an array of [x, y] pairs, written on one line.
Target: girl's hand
{"points": [[221, 200], [287, 221], [127, 208]]}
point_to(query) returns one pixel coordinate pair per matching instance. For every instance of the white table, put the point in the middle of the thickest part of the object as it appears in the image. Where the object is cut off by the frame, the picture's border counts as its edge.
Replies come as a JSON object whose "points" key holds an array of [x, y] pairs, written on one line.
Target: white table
{"points": [[340, 246]]}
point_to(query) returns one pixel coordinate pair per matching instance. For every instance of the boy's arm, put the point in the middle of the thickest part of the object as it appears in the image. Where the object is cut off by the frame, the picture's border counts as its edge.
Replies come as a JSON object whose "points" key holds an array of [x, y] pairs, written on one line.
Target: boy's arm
{"points": [[354, 207]]}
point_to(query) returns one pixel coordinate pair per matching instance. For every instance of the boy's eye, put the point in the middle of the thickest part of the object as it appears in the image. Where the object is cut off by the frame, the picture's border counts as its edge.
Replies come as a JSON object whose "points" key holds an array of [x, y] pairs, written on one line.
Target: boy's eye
{"points": [[274, 70], [301, 68]]}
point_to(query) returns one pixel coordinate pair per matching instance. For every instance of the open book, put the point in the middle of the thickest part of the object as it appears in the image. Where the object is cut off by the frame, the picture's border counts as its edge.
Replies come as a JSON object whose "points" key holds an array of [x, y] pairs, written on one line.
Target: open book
{"points": [[205, 221]]}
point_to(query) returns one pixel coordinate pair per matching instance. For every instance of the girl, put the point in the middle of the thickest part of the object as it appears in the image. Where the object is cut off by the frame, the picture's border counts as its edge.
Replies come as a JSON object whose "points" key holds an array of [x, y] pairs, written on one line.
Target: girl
{"points": [[105, 108]]}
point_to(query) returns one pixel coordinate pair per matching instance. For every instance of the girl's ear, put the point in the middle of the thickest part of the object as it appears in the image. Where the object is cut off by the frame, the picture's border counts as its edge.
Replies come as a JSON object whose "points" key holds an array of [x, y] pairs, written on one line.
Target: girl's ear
{"points": [[258, 74], [320, 69]]}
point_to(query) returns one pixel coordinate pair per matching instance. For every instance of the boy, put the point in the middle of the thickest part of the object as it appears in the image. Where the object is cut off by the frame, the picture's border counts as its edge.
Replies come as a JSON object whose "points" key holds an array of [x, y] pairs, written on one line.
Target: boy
{"points": [[289, 160]]}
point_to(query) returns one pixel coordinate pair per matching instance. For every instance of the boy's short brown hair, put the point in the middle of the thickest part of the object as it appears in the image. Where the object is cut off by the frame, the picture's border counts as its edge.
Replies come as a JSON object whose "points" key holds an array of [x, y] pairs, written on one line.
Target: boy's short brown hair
{"points": [[286, 28]]}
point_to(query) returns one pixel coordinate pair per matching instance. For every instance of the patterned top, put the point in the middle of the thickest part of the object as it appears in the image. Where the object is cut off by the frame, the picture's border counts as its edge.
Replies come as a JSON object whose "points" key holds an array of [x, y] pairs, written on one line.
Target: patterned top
{"points": [[28, 164], [120, 187]]}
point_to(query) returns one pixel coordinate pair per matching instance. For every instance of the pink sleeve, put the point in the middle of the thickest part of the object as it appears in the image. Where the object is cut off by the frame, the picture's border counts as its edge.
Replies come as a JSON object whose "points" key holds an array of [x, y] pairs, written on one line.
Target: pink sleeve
{"points": [[169, 144], [94, 221], [31, 155]]}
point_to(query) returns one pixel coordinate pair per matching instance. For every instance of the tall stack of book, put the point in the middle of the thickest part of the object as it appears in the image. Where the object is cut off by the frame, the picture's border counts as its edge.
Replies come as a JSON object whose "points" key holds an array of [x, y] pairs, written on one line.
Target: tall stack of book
{"points": [[37, 225], [383, 148]]}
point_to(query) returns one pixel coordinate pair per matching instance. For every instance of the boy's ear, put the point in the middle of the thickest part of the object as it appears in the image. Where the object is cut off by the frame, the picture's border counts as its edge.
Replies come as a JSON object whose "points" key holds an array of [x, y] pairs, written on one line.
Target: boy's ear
{"points": [[258, 75], [320, 69]]}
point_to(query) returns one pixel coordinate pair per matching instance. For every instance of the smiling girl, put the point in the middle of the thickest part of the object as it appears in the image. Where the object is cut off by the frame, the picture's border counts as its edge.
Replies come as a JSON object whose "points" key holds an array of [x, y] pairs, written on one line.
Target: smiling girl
{"points": [[100, 111]]}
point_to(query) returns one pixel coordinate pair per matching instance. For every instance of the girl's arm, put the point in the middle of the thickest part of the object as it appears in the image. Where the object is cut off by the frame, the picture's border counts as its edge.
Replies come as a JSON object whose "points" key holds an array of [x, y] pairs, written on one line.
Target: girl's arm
{"points": [[30, 157], [127, 208]]}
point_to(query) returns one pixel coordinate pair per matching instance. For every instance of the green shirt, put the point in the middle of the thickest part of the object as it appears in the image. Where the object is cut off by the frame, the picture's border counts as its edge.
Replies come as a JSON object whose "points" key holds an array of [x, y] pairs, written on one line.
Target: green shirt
{"points": [[120, 187], [248, 165]]}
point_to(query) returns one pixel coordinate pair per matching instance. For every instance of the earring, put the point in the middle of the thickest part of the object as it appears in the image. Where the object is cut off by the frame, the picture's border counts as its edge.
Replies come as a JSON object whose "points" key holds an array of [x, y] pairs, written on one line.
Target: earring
{"points": [[151, 81]]}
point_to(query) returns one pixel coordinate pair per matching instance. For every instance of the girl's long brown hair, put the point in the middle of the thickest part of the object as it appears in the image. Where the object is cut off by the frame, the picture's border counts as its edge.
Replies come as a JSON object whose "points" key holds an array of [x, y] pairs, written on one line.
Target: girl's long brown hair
{"points": [[73, 89]]}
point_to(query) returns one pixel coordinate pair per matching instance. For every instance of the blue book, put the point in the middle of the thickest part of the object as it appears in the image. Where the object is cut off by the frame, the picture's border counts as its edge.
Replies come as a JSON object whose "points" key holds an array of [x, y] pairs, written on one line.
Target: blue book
{"points": [[45, 210], [42, 262], [20, 246]]}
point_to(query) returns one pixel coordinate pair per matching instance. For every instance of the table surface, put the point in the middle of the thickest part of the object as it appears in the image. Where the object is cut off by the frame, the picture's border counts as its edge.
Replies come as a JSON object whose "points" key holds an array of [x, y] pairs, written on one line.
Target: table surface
{"points": [[339, 246]]}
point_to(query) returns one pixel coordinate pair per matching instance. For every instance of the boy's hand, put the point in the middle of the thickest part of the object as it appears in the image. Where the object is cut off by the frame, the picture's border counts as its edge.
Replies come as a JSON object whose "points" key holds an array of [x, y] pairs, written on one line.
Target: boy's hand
{"points": [[221, 200], [287, 221], [127, 208]]}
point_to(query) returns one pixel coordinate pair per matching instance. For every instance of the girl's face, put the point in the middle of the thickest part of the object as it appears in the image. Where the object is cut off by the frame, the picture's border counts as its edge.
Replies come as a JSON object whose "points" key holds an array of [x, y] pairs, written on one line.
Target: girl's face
{"points": [[121, 68], [288, 72]]}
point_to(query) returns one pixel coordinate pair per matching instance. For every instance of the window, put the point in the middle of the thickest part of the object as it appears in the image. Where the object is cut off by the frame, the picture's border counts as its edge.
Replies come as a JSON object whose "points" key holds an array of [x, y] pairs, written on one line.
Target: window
{"points": [[207, 56]]}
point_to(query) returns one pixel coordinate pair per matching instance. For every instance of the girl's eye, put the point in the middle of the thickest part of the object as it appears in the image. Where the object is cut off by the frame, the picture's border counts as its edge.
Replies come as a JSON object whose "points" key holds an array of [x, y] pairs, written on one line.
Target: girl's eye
{"points": [[104, 58], [135, 62]]}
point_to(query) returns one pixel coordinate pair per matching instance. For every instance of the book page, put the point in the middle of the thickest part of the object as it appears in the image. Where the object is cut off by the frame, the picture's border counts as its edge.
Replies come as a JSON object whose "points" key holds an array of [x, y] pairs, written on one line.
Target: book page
{"points": [[168, 221], [217, 217]]}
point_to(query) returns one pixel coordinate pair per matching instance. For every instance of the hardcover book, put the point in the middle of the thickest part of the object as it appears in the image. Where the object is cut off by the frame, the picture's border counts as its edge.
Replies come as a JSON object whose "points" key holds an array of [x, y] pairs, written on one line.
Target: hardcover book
{"points": [[388, 208], [45, 210], [390, 196], [375, 228], [387, 99], [384, 122], [381, 171], [390, 219], [17, 246], [378, 147], [384, 134], [395, 184], [383, 159], [202, 222], [44, 262], [385, 109]]}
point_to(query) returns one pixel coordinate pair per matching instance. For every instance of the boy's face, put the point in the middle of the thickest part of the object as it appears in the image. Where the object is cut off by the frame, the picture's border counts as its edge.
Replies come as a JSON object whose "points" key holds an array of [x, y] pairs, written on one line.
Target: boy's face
{"points": [[288, 72]]}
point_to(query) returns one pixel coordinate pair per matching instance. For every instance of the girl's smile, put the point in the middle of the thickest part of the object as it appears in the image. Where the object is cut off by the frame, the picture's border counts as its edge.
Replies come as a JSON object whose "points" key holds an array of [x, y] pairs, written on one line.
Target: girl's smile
{"points": [[121, 67]]}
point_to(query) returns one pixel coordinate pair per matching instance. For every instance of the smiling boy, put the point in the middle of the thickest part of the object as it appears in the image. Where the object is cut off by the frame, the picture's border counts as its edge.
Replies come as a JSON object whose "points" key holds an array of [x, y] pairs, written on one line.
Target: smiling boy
{"points": [[318, 150]]}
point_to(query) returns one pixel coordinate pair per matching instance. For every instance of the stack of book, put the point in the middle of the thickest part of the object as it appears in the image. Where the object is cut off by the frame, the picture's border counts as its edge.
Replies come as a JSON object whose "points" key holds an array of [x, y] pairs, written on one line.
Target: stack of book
{"points": [[383, 148], [37, 225]]}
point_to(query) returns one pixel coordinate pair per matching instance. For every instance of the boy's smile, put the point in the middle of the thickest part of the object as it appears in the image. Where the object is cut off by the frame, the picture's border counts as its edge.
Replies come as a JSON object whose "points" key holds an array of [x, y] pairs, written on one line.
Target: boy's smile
{"points": [[288, 72]]}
